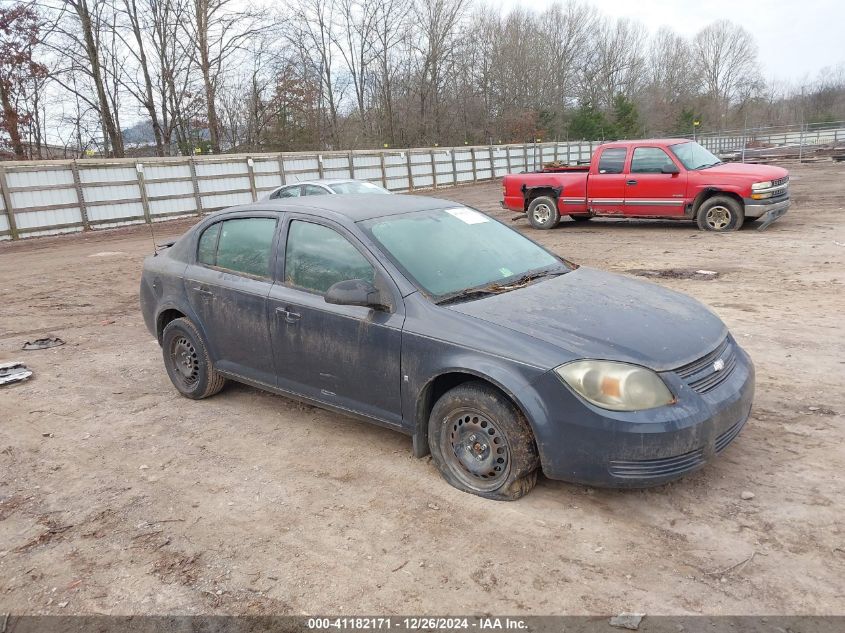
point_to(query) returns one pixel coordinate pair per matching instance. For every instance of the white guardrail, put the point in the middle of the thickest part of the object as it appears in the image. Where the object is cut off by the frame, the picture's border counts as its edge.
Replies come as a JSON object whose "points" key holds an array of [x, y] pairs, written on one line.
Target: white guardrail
{"points": [[65, 196]]}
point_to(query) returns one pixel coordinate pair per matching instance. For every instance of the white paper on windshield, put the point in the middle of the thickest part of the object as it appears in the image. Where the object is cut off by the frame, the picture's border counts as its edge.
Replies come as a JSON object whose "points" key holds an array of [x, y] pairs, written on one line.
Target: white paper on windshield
{"points": [[468, 216]]}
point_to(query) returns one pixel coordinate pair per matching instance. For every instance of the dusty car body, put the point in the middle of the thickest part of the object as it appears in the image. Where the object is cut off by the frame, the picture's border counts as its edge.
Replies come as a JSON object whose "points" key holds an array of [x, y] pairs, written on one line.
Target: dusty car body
{"points": [[539, 368]]}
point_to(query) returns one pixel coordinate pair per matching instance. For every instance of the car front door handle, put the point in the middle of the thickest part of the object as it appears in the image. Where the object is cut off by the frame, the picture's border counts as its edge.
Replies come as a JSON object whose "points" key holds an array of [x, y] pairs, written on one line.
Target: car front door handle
{"points": [[630, 182], [290, 317]]}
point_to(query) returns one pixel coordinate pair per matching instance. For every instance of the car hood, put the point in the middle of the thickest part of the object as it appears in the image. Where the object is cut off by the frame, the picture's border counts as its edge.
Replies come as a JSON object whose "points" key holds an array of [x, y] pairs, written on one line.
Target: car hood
{"points": [[760, 172], [588, 313]]}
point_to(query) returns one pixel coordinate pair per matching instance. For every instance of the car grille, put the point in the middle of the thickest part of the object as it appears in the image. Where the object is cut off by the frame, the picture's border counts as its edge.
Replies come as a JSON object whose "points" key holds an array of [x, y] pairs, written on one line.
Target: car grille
{"points": [[702, 374], [729, 436], [780, 181], [655, 468]]}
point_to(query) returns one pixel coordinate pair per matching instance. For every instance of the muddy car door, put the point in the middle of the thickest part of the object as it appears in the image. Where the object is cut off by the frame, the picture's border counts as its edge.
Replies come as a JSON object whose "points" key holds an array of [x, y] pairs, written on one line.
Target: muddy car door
{"points": [[347, 356], [227, 287]]}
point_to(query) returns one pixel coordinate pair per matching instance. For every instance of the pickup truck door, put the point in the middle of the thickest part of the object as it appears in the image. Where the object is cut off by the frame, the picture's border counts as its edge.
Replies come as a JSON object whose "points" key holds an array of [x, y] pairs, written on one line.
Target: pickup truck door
{"points": [[649, 190], [606, 182]]}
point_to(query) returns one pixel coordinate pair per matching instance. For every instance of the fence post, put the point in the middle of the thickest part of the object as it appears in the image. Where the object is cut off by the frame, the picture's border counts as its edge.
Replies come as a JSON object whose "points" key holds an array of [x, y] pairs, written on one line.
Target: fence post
{"points": [[525, 156], [320, 165], [474, 171], [250, 167], [555, 150], [351, 158], [281, 160], [568, 149], [77, 184], [197, 198], [508, 157], [383, 170], [7, 202], [142, 187], [454, 168], [410, 170], [433, 170]]}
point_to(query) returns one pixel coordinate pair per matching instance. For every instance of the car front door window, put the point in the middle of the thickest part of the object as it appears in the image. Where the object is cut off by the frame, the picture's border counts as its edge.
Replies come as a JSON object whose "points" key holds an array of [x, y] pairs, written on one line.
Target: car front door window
{"points": [[318, 257]]}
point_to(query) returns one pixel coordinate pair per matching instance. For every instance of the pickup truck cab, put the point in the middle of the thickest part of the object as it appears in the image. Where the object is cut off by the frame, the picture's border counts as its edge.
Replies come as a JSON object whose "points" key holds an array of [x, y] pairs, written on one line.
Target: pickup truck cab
{"points": [[658, 178]]}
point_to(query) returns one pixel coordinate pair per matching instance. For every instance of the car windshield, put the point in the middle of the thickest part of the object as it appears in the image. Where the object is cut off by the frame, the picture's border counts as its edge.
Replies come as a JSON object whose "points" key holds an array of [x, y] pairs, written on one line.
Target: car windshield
{"points": [[694, 156], [356, 187], [451, 252]]}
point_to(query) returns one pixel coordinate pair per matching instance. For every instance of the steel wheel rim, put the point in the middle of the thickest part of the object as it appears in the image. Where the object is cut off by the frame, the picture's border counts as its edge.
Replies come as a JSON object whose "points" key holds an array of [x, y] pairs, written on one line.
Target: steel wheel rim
{"points": [[542, 213], [185, 362], [718, 217], [476, 450]]}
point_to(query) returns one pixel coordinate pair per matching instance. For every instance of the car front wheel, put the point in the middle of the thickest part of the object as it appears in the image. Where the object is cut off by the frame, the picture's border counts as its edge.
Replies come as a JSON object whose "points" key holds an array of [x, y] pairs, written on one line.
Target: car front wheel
{"points": [[187, 361], [720, 213], [482, 443]]}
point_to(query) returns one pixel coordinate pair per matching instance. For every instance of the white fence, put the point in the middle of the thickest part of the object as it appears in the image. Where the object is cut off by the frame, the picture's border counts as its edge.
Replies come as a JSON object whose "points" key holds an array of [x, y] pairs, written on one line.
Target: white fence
{"points": [[47, 198]]}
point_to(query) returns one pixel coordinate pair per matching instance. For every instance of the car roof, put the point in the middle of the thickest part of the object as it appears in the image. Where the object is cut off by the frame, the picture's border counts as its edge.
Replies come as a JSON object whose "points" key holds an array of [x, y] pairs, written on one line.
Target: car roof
{"points": [[325, 181], [355, 207]]}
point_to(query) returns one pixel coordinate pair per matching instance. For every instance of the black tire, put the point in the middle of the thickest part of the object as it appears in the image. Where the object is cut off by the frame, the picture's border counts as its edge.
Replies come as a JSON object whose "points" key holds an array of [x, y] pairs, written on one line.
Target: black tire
{"points": [[187, 361], [543, 213], [580, 218], [720, 213], [482, 443]]}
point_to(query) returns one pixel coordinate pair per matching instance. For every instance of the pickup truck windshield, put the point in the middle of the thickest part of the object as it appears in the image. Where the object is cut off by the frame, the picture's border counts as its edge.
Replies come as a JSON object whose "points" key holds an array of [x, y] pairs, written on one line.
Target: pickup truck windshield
{"points": [[449, 251], [694, 156]]}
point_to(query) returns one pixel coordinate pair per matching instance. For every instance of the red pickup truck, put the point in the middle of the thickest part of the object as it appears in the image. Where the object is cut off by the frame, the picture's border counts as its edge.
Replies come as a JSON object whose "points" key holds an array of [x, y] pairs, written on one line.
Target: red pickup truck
{"points": [[660, 178]]}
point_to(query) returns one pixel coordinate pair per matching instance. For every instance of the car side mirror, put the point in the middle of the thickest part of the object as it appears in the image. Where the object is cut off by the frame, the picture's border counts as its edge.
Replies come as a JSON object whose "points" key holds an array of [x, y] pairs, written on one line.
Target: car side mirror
{"points": [[356, 292], [670, 169]]}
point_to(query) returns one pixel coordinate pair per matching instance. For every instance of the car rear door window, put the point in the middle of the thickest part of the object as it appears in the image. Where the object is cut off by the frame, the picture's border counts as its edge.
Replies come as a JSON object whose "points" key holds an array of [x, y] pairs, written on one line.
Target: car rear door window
{"points": [[317, 257], [612, 160], [244, 245], [649, 160], [207, 249], [314, 190]]}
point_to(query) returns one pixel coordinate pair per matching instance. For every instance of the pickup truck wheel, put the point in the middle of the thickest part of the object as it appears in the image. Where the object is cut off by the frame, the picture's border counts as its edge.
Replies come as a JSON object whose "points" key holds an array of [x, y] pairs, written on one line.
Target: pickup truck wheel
{"points": [[543, 213], [720, 213], [187, 361], [482, 443]]}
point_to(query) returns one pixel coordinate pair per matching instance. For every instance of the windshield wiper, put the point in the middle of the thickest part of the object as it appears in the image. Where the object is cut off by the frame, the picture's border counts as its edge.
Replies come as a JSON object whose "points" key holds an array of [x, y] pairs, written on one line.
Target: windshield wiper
{"points": [[469, 293], [718, 162]]}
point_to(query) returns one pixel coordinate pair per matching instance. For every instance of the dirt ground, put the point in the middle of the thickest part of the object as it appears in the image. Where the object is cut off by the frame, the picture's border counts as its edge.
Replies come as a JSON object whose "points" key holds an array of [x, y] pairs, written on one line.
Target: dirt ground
{"points": [[118, 496]]}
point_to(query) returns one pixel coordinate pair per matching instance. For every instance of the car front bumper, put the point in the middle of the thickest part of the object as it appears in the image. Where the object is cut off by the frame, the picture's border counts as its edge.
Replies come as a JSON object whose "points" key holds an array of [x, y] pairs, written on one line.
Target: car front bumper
{"points": [[768, 212], [581, 443]]}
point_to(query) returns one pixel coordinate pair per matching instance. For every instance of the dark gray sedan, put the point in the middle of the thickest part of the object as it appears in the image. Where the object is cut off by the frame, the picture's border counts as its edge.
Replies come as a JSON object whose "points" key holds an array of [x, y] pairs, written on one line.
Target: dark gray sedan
{"points": [[421, 315]]}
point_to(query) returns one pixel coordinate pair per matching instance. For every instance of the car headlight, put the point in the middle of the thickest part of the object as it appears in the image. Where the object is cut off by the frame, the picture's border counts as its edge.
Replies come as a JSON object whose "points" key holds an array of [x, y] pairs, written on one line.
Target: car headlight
{"points": [[757, 186], [616, 386]]}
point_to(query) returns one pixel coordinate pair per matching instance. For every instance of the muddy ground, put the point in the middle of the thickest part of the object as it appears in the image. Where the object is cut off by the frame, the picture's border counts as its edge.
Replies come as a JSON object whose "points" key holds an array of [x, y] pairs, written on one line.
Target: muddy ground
{"points": [[118, 496]]}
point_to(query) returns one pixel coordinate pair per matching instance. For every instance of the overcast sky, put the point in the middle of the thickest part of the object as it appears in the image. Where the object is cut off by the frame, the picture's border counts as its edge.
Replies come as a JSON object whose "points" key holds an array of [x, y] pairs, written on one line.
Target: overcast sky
{"points": [[796, 38]]}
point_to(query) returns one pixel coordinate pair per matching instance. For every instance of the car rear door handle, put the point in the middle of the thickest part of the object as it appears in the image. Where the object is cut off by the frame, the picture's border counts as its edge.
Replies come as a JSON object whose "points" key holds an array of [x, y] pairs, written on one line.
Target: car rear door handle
{"points": [[290, 317], [203, 291], [630, 182]]}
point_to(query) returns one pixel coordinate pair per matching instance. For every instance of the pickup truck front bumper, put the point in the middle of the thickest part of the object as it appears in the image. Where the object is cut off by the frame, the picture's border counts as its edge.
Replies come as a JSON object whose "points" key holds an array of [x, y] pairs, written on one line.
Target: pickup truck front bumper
{"points": [[768, 212]]}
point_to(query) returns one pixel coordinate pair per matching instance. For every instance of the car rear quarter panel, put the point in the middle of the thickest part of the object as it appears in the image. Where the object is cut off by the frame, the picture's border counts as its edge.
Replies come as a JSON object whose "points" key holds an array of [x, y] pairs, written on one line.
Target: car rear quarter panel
{"points": [[570, 186], [163, 288]]}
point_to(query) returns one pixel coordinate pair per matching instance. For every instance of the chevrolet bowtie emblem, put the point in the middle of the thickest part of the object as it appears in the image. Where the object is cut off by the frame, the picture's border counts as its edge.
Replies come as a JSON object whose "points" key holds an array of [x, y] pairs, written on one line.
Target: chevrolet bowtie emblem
{"points": [[719, 365]]}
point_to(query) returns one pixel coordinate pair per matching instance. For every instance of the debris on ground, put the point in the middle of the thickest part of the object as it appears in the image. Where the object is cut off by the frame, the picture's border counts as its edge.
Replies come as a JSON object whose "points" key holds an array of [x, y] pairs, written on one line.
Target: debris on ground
{"points": [[13, 372], [43, 343], [674, 273], [627, 621], [746, 495]]}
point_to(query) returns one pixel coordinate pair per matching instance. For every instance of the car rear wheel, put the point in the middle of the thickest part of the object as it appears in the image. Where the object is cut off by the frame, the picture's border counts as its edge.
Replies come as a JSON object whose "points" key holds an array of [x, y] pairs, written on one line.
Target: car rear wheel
{"points": [[187, 361], [720, 213], [542, 213], [482, 443]]}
